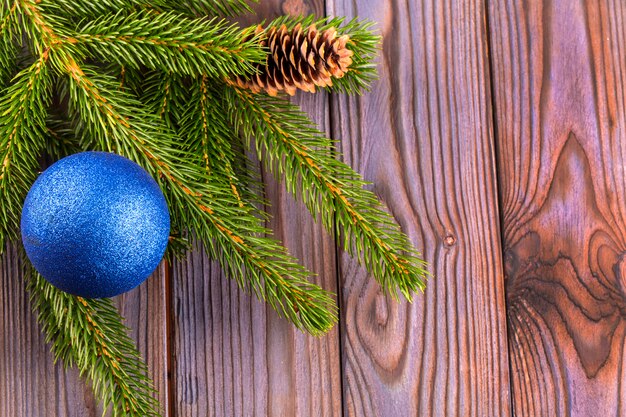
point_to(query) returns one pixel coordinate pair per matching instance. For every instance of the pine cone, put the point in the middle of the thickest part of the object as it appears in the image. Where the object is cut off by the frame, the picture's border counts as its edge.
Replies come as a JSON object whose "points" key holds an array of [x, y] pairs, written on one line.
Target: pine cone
{"points": [[299, 59]]}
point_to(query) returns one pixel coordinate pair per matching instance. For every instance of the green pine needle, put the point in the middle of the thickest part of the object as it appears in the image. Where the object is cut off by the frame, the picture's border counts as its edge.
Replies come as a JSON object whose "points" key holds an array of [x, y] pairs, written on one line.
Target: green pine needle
{"points": [[208, 134], [94, 8], [10, 32], [211, 7]]}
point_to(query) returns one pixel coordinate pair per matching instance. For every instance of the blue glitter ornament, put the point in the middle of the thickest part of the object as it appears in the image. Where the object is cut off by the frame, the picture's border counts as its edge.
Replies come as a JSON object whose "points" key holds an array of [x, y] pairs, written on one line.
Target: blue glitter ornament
{"points": [[95, 224]]}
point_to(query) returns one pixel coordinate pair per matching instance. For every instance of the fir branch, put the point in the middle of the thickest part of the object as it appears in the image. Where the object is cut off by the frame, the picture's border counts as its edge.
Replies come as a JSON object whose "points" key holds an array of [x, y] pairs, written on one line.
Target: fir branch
{"points": [[169, 42], [38, 30], [60, 138], [198, 202], [208, 133], [23, 111], [194, 111], [10, 33], [90, 334], [95, 8], [328, 187], [212, 7], [164, 94], [186, 142]]}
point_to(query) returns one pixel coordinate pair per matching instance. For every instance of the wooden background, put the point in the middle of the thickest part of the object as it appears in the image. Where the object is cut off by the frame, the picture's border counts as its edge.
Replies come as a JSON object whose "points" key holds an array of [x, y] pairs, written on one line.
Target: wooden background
{"points": [[496, 135]]}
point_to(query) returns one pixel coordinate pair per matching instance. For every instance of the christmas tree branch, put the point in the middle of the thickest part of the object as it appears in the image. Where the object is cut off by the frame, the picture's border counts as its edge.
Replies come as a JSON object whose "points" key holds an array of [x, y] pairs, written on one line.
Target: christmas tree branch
{"points": [[60, 140], [212, 7], [148, 80], [330, 188], [90, 334], [39, 31], [194, 110], [86, 333], [23, 112], [9, 32], [94, 9], [209, 134], [164, 94], [198, 202], [169, 42]]}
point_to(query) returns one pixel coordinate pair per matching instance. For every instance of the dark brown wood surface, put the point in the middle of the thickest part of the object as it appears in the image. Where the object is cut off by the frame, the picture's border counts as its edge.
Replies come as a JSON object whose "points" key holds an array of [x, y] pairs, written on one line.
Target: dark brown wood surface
{"points": [[496, 135], [559, 71], [423, 136]]}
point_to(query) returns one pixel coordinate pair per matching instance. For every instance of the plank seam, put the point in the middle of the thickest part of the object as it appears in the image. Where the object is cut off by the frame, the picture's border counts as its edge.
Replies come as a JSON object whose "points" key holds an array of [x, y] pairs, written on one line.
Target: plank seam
{"points": [[498, 191], [170, 351], [328, 5]]}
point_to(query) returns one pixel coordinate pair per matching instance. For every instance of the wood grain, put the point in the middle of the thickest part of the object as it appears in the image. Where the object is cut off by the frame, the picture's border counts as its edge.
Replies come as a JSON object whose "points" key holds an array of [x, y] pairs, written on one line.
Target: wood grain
{"points": [[31, 385], [234, 356], [424, 137], [559, 85], [145, 312]]}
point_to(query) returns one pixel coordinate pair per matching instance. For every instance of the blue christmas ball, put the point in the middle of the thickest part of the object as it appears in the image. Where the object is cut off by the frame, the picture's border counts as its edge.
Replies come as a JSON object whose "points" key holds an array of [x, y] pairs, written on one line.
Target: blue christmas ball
{"points": [[95, 224]]}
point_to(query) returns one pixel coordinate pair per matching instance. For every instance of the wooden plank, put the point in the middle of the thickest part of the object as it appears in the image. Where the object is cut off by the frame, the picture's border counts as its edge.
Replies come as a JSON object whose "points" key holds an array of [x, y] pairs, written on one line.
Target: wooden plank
{"points": [[31, 385], [145, 312], [424, 137], [559, 86], [234, 355]]}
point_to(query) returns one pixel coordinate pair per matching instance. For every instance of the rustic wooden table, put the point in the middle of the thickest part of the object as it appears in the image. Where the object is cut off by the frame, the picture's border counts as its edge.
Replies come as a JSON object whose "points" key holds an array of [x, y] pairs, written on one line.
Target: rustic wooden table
{"points": [[496, 135]]}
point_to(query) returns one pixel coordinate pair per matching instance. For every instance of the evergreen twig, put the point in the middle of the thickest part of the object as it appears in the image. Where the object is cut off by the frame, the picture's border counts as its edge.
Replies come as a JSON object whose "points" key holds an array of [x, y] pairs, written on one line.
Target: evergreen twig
{"points": [[90, 334], [208, 133], [212, 7], [169, 42], [295, 149], [10, 31], [93, 9], [23, 112]]}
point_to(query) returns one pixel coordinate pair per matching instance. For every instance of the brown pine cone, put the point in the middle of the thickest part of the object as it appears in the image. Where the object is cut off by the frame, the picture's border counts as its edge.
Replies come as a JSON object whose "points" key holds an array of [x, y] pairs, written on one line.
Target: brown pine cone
{"points": [[299, 59]]}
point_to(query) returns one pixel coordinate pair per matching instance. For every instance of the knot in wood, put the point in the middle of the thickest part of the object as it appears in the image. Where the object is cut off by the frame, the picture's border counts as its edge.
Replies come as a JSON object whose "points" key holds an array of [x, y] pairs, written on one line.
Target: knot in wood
{"points": [[449, 240]]}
